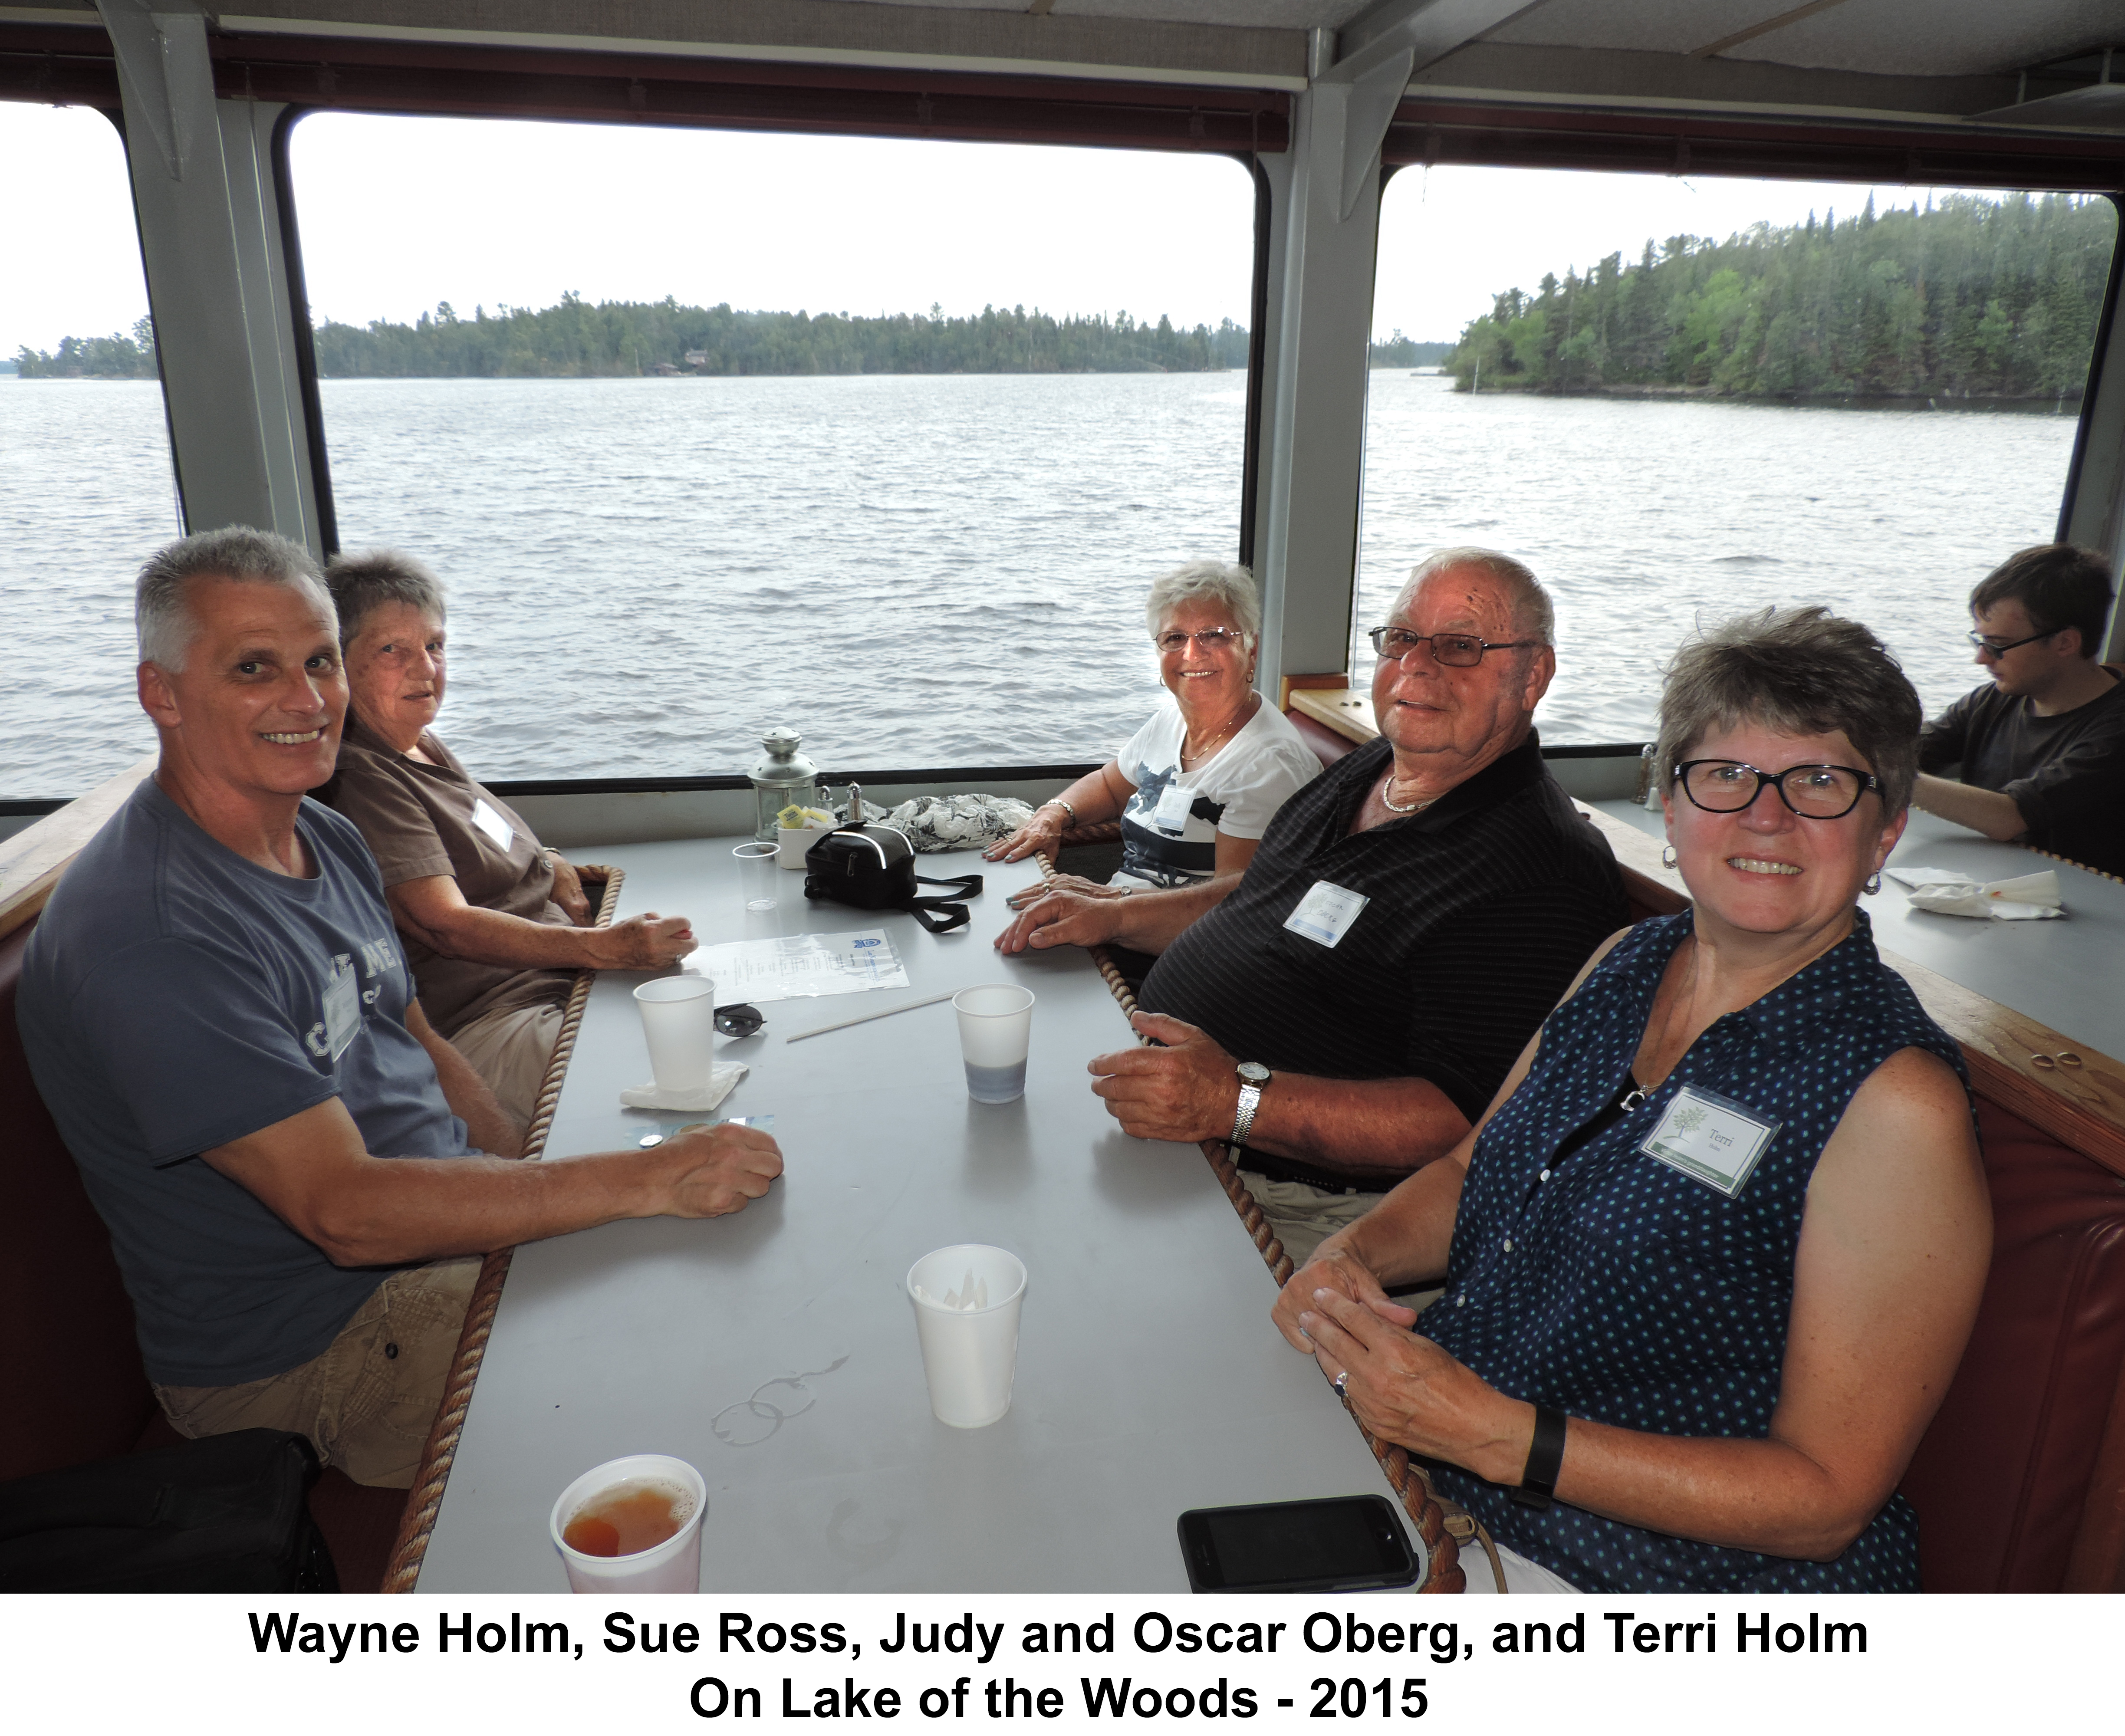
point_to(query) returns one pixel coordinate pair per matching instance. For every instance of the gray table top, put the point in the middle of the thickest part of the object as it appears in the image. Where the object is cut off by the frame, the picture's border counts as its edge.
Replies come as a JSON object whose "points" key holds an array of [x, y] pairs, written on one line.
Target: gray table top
{"points": [[2062, 973], [1149, 1380]]}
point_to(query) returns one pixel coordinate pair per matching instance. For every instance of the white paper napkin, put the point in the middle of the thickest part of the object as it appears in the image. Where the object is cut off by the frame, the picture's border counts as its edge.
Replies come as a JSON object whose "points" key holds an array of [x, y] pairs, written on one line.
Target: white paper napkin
{"points": [[2025, 898], [722, 1080]]}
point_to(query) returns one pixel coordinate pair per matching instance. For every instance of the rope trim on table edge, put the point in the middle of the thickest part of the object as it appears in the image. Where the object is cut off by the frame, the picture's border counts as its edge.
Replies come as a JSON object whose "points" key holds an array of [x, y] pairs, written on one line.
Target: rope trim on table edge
{"points": [[425, 1499], [1443, 1526]]}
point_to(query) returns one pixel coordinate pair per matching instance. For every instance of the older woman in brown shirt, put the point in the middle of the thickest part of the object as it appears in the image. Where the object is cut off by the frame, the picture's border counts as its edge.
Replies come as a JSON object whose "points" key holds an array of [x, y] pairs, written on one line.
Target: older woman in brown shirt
{"points": [[495, 924]]}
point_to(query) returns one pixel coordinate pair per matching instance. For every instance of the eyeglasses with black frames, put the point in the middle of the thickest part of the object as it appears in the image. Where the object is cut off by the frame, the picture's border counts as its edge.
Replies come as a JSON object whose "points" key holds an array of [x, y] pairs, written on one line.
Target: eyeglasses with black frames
{"points": [[1453, 650], [740, 1018], [1999, 647], [1813, 792], [1210, 641]]}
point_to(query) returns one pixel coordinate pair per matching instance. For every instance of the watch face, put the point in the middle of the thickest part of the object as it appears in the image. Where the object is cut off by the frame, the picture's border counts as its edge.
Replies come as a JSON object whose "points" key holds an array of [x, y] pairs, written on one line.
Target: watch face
{"points": [[1254, 1073]]}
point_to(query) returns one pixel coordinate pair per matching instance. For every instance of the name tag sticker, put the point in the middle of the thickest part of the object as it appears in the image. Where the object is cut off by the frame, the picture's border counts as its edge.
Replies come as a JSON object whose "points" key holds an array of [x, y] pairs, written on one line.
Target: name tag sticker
{"points": [[1326, 913], [1174, 802], [488, 820], [1710, 1139], [342, 1007]]}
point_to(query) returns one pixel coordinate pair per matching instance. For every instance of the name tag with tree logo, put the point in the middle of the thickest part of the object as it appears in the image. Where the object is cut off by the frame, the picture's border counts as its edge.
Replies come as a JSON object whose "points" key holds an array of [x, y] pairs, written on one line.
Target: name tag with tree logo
{"points": [[1710, 1138]]}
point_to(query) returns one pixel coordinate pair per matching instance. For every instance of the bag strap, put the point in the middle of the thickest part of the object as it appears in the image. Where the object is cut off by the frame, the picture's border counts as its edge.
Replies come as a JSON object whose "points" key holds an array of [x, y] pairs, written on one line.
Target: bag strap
{"points": [[955, 916]]}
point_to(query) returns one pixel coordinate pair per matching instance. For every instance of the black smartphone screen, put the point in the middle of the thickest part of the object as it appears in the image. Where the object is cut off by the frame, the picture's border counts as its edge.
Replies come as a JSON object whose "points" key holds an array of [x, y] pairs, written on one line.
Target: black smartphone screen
{"points": [[1346, 1543]]}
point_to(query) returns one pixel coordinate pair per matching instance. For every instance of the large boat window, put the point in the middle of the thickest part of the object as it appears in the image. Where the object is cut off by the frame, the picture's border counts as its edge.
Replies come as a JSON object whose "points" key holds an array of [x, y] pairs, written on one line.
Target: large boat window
{"points": [[709, 432], [1678, 399], [85, 487]]}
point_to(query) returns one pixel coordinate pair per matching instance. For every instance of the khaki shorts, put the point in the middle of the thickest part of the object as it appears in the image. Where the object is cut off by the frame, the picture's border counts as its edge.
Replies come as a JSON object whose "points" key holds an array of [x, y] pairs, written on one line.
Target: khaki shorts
{"points": [[368, 1401], [1303, 1217], [511, 1050]]}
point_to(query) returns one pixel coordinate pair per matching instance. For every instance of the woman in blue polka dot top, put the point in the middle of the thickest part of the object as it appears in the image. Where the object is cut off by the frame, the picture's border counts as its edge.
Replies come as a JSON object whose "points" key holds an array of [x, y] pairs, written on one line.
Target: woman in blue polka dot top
{"points": [[1712, 1255]]}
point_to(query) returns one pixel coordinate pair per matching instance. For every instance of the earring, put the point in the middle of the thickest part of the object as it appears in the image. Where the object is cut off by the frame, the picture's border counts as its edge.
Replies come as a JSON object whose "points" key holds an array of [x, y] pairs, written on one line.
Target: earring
{"points": [[1874, 883], [1667, 855]]}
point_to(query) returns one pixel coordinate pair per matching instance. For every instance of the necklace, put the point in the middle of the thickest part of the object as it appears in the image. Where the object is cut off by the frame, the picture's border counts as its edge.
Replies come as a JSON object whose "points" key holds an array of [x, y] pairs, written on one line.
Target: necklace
{"points": [[1231, 723], [1393, 807]]}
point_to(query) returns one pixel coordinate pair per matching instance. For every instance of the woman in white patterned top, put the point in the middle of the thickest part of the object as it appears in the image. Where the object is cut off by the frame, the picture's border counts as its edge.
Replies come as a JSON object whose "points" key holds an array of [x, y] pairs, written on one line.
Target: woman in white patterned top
{"points": [[1196, 786]]}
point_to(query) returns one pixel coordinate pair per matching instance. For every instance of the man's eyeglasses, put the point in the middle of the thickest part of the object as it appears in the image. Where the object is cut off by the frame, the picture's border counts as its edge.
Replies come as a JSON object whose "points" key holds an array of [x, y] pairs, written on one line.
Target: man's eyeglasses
{"points": [[2001, 647], [1814, 792], [1210, 641], [1454, 650], [740, 1018]]}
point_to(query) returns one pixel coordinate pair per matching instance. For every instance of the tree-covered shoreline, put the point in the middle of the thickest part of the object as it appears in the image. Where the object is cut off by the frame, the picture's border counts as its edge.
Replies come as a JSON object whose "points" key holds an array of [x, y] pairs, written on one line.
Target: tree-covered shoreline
{"points": [[577, 339], [1970, 299]]}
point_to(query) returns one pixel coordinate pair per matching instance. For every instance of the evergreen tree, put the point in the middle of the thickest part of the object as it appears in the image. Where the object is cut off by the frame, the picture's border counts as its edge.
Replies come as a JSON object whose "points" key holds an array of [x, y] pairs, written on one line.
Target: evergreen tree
{"points": [[1969, 297]]}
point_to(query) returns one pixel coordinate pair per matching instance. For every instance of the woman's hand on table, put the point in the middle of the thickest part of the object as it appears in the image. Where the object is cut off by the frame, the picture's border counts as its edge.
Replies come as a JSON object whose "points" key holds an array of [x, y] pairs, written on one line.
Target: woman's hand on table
{"points": [[569, 891], [1026, 896], [1331, 1268], [645, 943], [1405, 1388], [1043, 832]]}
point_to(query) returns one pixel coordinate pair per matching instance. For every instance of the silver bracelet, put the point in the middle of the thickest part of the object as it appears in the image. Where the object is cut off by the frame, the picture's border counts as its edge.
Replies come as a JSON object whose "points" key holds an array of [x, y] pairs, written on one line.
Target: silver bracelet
{"points": [[1057, 801]]}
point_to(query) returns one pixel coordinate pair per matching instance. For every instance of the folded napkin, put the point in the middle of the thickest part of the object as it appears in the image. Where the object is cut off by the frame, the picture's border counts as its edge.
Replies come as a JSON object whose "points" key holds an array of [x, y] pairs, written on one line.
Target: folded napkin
{"points": [[722, 1080], [2025, 898]]}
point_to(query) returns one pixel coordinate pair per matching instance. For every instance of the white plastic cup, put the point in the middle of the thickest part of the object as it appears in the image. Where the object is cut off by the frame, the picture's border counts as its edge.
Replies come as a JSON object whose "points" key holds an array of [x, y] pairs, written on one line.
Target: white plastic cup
{"points": [[969, 1355], [755, 872], [996, 1028], [679, 1019], [673, 1565]]}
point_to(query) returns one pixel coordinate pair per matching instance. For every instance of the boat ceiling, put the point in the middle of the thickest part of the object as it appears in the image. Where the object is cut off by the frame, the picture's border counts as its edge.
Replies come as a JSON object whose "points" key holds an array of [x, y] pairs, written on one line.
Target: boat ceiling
{"points": [[2023, 63]]}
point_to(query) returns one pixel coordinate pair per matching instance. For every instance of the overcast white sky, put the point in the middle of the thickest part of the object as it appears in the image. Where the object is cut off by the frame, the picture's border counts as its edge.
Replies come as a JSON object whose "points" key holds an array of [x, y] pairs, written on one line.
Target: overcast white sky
{"points": [[398, 214]]}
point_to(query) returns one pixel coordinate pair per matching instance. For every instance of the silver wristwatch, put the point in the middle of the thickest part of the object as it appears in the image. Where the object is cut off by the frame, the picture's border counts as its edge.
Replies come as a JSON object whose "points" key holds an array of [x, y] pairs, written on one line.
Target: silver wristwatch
{"points": [[1253, 1076]]}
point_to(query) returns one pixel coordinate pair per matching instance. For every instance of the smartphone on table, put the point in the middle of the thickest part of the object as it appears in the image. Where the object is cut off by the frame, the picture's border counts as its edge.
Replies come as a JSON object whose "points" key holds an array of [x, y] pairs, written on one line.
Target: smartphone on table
{"points": [[1345, 1543]]}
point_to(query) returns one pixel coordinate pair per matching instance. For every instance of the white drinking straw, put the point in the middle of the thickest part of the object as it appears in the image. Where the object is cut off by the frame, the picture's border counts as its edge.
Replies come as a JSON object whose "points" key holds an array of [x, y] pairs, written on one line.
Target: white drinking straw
{"points": [[842, 1024]]}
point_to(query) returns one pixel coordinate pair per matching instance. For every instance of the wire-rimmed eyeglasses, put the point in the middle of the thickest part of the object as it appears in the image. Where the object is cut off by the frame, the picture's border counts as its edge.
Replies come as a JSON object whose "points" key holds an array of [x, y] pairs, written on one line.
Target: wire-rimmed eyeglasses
{"points": [[1453, 650], [1209, 641], [1813, 792]]}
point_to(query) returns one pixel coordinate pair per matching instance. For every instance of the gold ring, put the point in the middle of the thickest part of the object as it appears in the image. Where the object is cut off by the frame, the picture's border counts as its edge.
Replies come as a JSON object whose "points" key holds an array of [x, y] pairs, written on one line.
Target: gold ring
{"points": [[2045, 1061], [2067, 1058]]}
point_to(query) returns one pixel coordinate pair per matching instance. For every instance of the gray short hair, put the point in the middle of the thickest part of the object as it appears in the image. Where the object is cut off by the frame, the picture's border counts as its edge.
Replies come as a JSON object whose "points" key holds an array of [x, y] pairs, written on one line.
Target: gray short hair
{"points": [[1801, 672], [1231, 588], [162, 617], [1533, 616], [373, 577]]}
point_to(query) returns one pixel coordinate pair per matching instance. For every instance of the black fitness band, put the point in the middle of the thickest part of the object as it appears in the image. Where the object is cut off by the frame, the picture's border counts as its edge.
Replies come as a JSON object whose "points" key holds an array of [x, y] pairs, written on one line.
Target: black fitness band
{"points": [[1545, 1459]]}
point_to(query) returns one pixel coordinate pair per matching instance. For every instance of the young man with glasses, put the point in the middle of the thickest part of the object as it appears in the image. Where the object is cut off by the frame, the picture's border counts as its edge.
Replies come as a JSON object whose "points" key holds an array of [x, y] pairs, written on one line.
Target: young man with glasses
{"points": [[2041, 748], [1341, 1013]]}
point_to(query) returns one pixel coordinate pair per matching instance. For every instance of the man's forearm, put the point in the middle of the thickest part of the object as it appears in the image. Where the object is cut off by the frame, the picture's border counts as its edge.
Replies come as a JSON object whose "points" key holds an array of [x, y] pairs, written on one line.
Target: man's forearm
{"points": [[1151, 922], [1983, 810], [404, 1209], [1360, 1124]]}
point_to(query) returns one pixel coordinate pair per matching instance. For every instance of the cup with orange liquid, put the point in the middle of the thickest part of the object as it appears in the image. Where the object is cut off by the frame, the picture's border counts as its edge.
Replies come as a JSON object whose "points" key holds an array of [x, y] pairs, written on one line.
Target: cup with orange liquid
{"points": [[632, 1525]]}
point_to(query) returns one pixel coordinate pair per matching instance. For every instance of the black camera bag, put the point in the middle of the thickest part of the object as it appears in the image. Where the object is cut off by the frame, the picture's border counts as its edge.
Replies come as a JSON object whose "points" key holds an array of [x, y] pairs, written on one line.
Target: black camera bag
{"points": [[873, 867]]}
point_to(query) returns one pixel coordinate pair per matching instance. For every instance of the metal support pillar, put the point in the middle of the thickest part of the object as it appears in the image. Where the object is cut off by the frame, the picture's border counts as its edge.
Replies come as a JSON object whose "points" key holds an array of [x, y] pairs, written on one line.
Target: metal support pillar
{"points": [[1325, 195], [2094, 511], [204, 191]]}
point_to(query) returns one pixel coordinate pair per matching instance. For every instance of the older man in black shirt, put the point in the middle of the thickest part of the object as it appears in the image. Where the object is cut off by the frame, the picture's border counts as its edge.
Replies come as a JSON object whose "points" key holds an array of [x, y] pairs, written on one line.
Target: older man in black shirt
{"points": [[1347, 1007]]}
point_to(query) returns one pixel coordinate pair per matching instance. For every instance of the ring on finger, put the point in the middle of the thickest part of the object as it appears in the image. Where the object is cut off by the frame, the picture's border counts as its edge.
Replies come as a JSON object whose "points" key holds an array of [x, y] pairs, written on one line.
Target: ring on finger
{"points": [[1342, 1385]]}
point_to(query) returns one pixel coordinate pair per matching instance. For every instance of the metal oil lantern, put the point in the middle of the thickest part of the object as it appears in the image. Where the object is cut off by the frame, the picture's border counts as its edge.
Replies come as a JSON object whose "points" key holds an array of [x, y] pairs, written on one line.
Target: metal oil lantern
{"points": [[781, 778]]}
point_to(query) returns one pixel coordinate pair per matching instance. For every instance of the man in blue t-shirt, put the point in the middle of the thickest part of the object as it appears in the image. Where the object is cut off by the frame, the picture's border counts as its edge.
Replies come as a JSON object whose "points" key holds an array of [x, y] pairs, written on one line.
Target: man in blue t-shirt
{"points": [[291, 1163]]}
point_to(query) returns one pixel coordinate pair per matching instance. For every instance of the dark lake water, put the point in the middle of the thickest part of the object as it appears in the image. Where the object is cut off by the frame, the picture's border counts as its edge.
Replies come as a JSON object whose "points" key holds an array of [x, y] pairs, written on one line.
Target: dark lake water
{"points": [[929, 572]]}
